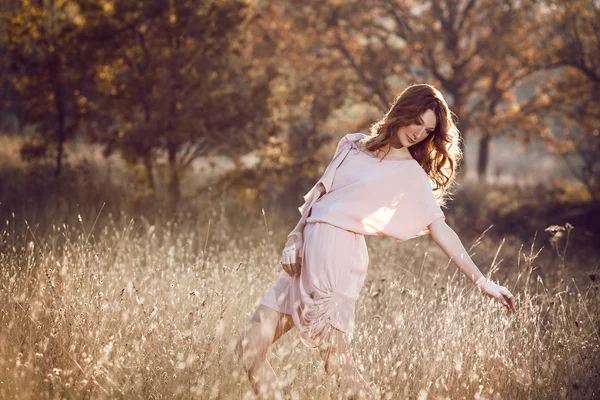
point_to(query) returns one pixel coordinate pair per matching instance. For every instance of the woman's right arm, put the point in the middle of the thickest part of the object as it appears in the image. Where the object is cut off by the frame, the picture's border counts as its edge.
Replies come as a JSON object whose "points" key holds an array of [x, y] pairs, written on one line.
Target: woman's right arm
{"points": [[291, 255], [313, 195], [297, 231], [292, 252]]}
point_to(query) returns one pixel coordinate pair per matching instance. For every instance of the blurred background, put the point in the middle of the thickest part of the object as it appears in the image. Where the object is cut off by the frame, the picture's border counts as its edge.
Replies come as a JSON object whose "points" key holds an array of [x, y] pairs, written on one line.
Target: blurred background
{"points": [[161, 107], [153, 154]]}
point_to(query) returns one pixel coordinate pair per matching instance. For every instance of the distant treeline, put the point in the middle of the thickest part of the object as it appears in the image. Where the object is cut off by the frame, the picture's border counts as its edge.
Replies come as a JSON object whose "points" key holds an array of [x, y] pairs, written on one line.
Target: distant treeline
{"points": [[178, 80]]}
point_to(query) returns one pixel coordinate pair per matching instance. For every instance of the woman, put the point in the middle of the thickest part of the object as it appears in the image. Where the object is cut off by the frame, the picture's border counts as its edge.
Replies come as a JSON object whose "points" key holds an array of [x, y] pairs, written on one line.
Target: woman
{"points": [[375, 185]]}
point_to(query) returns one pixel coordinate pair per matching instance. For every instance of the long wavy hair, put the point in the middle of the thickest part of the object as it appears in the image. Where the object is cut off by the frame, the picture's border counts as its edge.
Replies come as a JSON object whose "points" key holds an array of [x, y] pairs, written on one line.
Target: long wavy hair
{"points": [[439, 153]]}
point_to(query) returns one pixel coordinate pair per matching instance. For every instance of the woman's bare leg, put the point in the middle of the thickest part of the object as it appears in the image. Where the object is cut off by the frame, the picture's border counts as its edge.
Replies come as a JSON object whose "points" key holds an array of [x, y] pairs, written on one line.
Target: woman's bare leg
{"points": [[339, 362], [263, 329]]}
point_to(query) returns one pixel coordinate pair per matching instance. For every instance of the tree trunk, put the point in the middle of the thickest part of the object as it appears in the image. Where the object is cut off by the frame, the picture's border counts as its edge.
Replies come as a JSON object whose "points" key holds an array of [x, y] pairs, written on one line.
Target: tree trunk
{"points": [[174, 190], [148, 153], [149, 171], [59, 155], [60, 130], [483, 159], [55, 68], [459, 107], [464, 131]]}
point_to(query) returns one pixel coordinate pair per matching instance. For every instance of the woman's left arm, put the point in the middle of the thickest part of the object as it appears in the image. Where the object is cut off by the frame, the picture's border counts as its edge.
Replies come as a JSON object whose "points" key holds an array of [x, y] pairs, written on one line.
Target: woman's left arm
{"points": [[449, 242]]}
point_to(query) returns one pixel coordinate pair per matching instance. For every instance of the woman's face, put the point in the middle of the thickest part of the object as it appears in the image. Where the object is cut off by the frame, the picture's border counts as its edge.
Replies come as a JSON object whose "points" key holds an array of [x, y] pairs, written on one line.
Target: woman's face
{"points": [[416, 132]]}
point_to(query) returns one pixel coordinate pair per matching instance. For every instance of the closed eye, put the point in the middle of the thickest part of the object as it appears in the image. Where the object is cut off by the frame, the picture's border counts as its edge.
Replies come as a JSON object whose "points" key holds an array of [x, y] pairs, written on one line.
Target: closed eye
{"points": [[419, 122]]}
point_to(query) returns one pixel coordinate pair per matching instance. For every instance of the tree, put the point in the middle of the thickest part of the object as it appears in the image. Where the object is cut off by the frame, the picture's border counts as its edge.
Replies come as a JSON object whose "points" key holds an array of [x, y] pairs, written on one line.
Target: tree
{"points": [[50, 68], [179, 80], [460, 46], [8, 95], [307, 90], [567, 98], [513, 64]]}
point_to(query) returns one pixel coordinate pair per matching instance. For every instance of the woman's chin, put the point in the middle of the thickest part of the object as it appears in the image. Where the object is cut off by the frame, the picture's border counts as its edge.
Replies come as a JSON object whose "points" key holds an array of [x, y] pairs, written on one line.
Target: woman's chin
{"points": [[405, 143], [398, 144]]}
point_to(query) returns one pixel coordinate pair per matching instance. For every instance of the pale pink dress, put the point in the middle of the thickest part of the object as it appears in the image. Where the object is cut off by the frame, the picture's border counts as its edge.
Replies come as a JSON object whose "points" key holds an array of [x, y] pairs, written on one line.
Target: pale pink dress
{"points": [[358, 195]]}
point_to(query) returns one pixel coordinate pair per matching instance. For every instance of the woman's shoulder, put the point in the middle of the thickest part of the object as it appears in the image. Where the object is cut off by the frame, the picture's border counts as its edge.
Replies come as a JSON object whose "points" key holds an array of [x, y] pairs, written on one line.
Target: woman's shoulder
{"points": [[357, 140], [354, 137], [349, 140]]}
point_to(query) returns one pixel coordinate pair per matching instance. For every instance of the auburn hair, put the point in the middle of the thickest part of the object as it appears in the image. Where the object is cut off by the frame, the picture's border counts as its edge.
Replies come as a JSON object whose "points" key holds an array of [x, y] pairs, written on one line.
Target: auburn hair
{"points": [[439, 153]]}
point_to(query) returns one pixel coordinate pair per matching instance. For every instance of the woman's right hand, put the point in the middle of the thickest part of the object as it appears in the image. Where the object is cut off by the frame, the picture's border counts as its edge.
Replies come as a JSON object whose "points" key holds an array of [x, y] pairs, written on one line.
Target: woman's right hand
{"points": [[291, 257]]}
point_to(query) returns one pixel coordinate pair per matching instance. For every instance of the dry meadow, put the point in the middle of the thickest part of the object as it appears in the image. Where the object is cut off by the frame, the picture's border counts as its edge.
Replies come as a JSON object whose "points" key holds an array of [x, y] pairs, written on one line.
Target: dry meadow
{"points": [[101, 305]]}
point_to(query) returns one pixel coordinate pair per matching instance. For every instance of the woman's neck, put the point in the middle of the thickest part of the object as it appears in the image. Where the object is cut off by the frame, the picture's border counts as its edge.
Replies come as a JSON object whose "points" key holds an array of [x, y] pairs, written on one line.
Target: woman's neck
{"points": [[393, 153]]}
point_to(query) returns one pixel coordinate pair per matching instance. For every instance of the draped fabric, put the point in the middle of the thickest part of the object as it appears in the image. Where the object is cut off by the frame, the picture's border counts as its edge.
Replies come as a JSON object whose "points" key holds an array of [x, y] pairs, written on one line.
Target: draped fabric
{"points": [[324, 184], [386, 197], [334, 267], [357, 195]]}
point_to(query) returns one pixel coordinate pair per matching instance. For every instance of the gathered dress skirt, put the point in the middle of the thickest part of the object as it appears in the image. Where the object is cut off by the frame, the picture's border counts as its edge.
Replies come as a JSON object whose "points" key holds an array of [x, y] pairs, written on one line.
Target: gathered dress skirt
{"points": [[334, 266]]}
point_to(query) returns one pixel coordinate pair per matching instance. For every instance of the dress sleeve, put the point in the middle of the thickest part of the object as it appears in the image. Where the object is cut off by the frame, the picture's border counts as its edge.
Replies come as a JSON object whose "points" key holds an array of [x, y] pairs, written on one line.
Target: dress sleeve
{"points": [[313, 195], [320, 188], [425, 230], [417, 209], [428, 212]]}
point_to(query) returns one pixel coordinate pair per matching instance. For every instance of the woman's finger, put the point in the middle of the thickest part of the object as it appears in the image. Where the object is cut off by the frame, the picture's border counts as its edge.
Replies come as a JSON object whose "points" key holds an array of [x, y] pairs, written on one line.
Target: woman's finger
{"points": [[506, 303], [511, 303], [286, 268], [502, 301], [508, 298]]}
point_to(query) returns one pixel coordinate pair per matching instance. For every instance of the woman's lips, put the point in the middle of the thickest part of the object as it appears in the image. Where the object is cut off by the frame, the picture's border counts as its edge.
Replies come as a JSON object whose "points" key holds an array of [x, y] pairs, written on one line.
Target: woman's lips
{"points": [[410, 140]]}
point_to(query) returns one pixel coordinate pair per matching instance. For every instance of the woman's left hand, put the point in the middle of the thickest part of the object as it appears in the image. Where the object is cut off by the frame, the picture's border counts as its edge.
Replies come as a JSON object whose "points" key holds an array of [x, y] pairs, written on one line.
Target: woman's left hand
{"points": [[500, 293]]}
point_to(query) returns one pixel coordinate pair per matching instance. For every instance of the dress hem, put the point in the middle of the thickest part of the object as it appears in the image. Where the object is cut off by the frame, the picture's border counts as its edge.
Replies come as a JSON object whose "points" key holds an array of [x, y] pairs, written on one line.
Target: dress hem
{"points": [[302, 339]]}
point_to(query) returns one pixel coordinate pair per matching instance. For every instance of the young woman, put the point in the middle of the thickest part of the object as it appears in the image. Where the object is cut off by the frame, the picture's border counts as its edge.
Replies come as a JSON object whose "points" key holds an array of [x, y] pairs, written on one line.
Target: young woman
{"points": [[390, 183]]}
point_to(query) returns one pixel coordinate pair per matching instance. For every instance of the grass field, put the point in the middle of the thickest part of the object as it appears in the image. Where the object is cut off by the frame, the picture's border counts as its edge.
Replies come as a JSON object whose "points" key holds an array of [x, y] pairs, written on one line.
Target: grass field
{"points": [[143, 311], [150, 308]]}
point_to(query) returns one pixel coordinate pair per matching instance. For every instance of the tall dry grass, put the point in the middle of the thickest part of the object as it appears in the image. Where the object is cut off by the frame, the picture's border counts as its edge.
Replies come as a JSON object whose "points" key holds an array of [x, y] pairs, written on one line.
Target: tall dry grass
{"points": [[97, 305], [141, 311]]}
